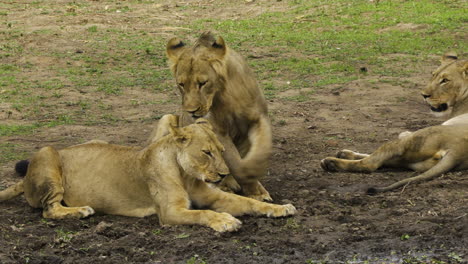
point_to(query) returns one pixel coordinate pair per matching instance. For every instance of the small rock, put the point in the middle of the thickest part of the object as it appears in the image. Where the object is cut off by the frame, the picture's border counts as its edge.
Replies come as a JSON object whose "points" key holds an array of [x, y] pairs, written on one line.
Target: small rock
{"points": [[102, 226]]}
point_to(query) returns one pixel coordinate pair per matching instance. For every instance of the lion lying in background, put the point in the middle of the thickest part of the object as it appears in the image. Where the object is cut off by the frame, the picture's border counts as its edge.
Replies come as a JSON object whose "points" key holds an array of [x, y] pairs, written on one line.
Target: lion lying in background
{"points": [[216, 83], [164, 178], [433, 150]]}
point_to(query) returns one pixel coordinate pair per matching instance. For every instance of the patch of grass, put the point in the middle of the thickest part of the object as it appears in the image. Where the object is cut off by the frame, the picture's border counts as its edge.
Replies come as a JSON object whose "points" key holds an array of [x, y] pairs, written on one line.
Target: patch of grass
{"points": [[92, 29], [9, 130], [10, 152], [63, 236]]}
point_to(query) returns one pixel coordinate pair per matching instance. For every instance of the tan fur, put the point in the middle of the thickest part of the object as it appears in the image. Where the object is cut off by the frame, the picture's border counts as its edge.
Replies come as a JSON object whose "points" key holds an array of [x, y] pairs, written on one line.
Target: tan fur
{"points": [[177, 170], [433, 150], [216, 83], [447, 92]]}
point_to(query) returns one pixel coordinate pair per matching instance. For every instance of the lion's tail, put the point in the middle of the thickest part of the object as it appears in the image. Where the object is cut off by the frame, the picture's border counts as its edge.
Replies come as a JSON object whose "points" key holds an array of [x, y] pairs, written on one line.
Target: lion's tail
{"points": [[12, 191], [22, 167], [444, 165]]}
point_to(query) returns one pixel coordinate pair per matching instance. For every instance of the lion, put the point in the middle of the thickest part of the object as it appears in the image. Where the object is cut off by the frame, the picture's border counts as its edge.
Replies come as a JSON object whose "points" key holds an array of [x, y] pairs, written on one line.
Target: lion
{"points": [[165, 178], [433, 150], [216, 83]]}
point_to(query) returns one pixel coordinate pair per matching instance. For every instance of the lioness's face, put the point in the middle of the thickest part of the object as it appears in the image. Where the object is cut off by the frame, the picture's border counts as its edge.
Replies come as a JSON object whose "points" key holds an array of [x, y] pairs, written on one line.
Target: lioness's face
{"points": [[202, 157], [447, 86], [197, 83]]}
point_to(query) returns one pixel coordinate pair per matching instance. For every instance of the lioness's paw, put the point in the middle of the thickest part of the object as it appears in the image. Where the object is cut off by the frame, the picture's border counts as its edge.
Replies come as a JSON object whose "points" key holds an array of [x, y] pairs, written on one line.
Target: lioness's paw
{"points": [[85, 211], [225, 222], [329, 164], [282, 210], [346, 154]]}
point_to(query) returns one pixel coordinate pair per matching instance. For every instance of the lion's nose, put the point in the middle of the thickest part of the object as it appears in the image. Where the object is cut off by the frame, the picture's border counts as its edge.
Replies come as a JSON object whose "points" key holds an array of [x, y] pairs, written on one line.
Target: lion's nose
{"points": [[426, 96]]}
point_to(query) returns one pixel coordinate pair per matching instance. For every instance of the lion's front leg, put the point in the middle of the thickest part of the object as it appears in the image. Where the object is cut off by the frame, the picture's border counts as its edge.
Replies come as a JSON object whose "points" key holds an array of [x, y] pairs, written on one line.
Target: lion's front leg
{"points": [[248, 170]]}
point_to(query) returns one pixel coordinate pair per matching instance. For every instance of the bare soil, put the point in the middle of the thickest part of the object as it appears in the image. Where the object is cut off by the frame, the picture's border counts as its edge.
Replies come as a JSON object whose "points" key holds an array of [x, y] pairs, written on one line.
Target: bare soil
{"points": [[336, 222]]}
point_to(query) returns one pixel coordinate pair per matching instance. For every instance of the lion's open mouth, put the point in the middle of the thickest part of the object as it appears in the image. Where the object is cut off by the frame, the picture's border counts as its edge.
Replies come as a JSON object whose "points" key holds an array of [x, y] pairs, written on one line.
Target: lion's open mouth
{"points": [[441, 108]]}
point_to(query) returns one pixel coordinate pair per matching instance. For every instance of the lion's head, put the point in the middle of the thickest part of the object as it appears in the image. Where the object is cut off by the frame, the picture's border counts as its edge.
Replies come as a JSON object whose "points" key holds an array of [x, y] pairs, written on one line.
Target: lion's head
{"points": [[198, 71], [448, 86], [200, 154]]}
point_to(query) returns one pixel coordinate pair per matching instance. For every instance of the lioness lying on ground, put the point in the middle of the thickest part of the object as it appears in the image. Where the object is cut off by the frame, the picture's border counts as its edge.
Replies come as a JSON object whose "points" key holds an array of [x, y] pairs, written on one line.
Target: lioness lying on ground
{"points": [[164, 178], [434, 150], [216, 83]]}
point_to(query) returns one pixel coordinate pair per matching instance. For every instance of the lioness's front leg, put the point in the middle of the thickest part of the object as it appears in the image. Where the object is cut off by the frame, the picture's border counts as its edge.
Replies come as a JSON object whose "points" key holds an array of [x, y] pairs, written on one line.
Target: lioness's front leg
{"points": [[174, 208], [350, 155], [237, 205]]}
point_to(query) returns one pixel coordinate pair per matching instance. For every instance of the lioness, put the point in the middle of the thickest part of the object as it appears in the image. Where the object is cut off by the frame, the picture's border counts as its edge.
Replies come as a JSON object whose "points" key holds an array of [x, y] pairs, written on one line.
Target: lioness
{"points": [[216, 83], [164, 178], [447, 92], [434, 150]]}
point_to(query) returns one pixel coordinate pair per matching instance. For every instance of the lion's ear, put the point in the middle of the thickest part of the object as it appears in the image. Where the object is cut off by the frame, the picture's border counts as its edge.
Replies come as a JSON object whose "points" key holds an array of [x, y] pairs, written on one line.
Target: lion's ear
{"points": [[216, 45], [174, 48], [449, 57]]}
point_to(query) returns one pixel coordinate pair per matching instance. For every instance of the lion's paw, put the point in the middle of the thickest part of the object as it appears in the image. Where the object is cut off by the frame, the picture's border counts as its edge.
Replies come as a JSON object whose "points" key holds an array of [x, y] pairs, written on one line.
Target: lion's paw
{"points": [[282, 210], [257, 191], [229, 184], [225, 222]]}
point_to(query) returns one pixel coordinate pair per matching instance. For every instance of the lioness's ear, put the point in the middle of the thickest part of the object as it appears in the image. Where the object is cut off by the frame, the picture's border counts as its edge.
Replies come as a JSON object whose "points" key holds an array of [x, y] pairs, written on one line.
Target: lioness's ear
{"points": [[204, 122], [174, 48], [465, 70], [216, 45], [179, 136], [449, 57]]}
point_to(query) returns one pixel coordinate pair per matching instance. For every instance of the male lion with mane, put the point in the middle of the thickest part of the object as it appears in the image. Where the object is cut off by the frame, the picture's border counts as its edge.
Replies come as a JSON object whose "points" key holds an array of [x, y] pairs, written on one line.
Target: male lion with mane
{"points": [[433, 150], [216, 83], [164, 178]]}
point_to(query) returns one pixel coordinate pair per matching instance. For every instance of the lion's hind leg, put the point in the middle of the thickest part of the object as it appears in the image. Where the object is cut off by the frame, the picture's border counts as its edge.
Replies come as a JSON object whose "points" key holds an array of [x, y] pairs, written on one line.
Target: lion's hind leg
{"points": [[43, 186]]}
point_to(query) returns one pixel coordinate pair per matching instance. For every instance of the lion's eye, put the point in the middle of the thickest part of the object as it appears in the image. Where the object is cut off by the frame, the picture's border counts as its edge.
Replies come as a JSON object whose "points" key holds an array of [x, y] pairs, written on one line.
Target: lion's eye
{"points": [[207, 152], [444, 80], [201, 84], [181, 84]]}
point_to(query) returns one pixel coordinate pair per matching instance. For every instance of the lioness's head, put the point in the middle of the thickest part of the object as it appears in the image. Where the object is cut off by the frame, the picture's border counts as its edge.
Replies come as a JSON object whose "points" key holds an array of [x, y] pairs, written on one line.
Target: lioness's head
{"points": [[200, 154], [448, 86], [198, 71]]}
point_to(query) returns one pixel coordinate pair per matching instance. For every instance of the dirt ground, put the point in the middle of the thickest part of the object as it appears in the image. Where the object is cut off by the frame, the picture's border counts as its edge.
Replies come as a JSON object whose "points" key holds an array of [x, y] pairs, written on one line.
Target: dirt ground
{"points": [[336, 221]]}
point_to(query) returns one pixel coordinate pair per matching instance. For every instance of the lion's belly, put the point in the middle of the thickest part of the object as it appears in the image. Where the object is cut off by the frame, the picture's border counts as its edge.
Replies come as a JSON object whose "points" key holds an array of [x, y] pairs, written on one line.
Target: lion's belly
{"points": [[108, 187]]}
